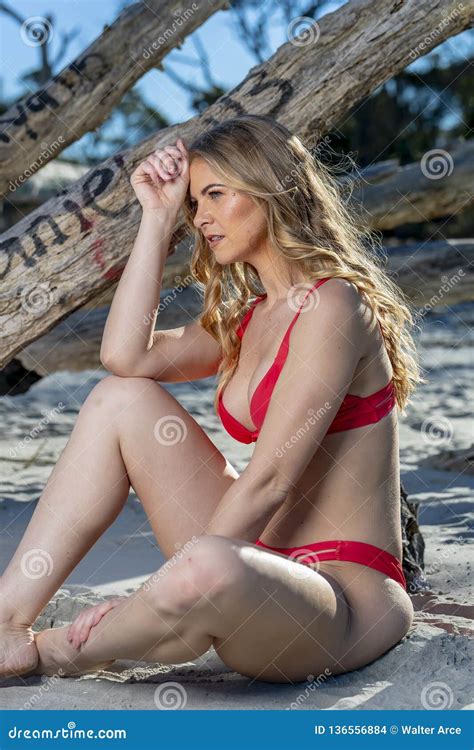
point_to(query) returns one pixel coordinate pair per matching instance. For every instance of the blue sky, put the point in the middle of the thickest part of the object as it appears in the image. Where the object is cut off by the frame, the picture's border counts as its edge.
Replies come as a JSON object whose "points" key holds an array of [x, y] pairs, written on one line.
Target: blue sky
{"points": [[229, 59]]}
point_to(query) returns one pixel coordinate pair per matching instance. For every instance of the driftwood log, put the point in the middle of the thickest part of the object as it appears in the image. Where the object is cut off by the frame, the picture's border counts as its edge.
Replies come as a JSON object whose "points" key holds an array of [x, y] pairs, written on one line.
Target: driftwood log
{"points": [[73, 247], [440, 184], [79, 98]]}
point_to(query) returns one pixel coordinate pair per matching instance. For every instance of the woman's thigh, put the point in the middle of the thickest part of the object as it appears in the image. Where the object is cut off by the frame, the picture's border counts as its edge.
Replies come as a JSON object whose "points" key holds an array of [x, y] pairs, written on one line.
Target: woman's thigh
{"points": [[177, 472], [279, 620]]}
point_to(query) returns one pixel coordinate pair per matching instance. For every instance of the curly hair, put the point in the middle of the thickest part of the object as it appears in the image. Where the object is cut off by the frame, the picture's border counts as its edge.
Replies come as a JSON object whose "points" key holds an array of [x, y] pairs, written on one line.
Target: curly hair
{"points": [[310, 223]]}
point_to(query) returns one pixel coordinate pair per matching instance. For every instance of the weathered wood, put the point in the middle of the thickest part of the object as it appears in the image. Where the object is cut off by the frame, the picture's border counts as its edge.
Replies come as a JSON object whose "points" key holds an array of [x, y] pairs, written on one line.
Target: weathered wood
{"points": [[436, 273], [79, 98], [76, 245], [439, 184], [74, 344]]}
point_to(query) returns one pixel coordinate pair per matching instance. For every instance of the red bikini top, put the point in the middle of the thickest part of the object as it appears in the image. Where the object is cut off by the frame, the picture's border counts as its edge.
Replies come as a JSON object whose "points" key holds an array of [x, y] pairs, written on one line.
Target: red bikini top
{"points": [[354, 411]]}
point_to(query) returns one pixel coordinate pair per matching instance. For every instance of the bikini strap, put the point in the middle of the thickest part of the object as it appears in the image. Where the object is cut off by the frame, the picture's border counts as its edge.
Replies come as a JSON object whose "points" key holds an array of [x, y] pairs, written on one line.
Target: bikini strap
{"points": [[285, 342], [245, 320]]}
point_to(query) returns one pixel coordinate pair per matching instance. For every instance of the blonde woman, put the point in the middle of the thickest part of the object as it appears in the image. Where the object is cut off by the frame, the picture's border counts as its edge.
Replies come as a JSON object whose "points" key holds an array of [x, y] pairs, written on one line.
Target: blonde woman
{"points": [[293, 567]]}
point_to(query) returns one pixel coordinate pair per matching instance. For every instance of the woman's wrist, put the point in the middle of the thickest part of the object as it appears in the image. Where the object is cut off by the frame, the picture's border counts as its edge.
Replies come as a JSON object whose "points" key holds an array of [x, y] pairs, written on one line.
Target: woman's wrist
{"points": [[159, 217]]}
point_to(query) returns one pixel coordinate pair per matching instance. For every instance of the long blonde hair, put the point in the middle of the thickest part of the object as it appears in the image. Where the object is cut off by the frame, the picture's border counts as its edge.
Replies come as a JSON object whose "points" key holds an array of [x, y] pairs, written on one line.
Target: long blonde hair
{"points": [[308, 223]]}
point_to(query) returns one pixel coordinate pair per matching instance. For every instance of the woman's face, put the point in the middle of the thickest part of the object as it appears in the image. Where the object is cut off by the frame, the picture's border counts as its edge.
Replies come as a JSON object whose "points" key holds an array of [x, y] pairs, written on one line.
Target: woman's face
{"points": [[221, 210]]}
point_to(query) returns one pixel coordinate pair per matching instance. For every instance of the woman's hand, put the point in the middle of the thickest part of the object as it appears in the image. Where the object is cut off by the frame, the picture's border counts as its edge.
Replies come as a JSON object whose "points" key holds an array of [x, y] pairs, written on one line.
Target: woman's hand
{"points": [[160, 181], [79, 630]]}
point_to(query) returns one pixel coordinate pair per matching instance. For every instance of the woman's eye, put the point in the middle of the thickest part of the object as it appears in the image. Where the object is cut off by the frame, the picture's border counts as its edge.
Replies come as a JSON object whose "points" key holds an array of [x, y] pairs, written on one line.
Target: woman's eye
{"points": [[193, 204]]}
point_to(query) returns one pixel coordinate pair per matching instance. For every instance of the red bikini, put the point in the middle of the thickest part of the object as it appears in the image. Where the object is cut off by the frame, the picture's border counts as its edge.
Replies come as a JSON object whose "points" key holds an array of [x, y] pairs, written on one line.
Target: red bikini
{"points": [[354, 411]]}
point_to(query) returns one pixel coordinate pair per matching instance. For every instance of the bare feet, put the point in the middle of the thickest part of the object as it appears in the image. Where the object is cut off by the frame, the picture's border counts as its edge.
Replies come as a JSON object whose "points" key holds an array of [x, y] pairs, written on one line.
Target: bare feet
{"points": [[18, 652], [58, 657]]}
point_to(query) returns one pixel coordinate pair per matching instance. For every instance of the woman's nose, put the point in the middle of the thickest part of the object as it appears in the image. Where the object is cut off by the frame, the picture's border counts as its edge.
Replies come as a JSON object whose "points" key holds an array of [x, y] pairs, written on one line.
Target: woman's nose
{"points": [[200, 219]]}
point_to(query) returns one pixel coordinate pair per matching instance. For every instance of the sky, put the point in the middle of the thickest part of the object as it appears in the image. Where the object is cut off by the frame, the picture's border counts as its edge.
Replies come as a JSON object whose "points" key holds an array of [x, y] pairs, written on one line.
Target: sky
{"points": [[229, 59]]}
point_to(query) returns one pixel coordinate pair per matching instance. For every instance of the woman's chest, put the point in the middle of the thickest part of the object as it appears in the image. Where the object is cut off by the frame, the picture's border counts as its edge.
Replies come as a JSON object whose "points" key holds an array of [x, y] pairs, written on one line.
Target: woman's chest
{"points": [[246, 384]]}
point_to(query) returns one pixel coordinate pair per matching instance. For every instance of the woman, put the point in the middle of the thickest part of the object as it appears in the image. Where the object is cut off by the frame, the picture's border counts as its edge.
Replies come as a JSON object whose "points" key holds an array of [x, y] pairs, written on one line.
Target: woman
{"points": [[312, 371]]}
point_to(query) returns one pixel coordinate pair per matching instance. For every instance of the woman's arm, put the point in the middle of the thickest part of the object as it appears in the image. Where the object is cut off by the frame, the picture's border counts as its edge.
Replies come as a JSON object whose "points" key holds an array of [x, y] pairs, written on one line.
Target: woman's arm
{"points": [[160, 183], [128, 332]]}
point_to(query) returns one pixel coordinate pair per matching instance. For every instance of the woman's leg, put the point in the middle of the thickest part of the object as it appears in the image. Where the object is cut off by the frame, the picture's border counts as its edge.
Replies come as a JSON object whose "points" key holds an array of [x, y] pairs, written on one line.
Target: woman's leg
{"points": [[124, 433], [171, 618], [222, 592], [85, 492]]}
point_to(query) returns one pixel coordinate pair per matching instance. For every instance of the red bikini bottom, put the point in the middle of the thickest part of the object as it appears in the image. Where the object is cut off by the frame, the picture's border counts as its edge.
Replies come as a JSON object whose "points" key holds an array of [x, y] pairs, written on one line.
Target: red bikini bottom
{"points": [[335, 549]]}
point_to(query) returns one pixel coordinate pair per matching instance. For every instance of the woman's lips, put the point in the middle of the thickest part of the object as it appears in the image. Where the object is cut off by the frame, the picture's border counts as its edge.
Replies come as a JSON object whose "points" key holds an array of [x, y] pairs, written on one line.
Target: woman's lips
{"points": [[214, 242]]}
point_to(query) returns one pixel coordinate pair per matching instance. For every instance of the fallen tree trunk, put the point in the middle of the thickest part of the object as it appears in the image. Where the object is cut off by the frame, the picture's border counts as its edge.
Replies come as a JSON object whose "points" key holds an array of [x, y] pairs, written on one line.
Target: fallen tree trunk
{"points": [[440, 184], [76, 245], [77, 100], [434, 274], [431, 274], [75, 344]]}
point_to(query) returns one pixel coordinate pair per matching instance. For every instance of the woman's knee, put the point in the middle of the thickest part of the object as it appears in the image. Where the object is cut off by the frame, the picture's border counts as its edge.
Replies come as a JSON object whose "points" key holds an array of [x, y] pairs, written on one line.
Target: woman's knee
{"points": [[200, 577], [114, 390]]}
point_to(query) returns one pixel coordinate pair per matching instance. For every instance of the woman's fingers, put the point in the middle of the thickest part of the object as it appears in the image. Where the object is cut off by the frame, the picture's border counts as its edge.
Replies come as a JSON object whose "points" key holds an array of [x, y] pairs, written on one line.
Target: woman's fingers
{"points": [[84, 630], [79, 631], [74, 627], [174, 152], [181, 149], [167, 163], [161, 166], [148, 168]]}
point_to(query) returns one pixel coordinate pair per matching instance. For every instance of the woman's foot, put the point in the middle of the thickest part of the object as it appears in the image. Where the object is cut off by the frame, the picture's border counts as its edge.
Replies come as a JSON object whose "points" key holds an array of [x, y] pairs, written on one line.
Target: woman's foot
{"points": [[18, 652], [58, 657]]}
